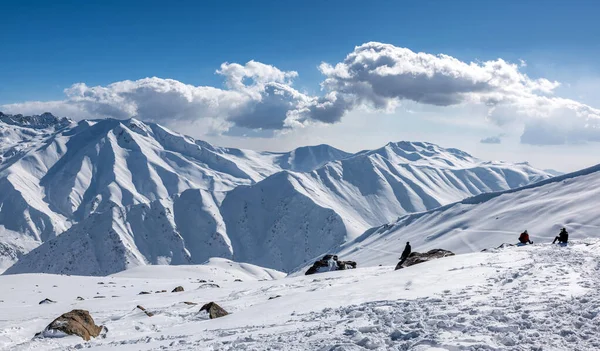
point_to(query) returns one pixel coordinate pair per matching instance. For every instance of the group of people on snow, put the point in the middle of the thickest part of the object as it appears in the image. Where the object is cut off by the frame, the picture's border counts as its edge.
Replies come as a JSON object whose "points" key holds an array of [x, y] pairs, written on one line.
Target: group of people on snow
{"points": [[524, 239], [562, 238], [332, 263]]}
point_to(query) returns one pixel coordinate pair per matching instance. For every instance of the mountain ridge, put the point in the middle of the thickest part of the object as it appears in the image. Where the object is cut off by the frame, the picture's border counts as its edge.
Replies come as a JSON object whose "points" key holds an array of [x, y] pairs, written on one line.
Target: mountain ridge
{"points": [[126, 174]]}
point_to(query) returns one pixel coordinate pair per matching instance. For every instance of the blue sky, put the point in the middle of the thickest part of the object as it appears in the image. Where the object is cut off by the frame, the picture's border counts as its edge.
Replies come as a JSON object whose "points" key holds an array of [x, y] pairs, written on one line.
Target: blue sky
{"points": [[49, 46]]}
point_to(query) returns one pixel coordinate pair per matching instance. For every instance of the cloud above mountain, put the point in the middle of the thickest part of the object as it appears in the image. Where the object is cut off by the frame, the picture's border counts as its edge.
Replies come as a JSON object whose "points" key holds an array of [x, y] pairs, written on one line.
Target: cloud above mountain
{"points": [[257, 96], [381, 76], [373, 77]]}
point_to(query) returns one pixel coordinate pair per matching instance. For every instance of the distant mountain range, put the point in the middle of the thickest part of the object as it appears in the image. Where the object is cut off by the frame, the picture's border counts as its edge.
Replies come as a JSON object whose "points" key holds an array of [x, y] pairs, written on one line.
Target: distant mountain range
{"points": [[99, 196]]}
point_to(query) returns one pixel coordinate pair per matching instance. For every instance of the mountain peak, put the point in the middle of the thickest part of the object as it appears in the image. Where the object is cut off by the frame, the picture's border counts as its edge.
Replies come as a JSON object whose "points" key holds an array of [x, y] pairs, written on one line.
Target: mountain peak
{"points": [[425, 147], [307, 158], [45, 120], [422, 153]]}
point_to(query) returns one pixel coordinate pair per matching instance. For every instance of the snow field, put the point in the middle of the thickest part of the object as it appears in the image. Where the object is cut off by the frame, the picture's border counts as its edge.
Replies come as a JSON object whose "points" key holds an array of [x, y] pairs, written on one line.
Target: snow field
{"points": [[539, 297]]}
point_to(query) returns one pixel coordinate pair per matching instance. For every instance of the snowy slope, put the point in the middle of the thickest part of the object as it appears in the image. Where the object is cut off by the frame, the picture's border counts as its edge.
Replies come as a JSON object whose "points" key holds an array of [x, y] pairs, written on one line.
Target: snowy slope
{"points": [[215, 269], [488, 220], [314, 211], [141, 194], [542, 297]]}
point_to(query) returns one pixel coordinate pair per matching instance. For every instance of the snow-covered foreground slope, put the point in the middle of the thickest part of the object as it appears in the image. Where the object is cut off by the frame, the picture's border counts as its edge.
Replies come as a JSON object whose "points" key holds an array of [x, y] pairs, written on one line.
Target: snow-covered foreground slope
{"points": [[540, 297], [489, 220], [124, 193]]}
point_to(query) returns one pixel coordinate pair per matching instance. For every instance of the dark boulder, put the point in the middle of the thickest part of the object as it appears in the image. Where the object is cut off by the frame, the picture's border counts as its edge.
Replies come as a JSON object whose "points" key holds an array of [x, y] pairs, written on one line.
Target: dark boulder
{"points": [[178, 289], [76, 322], [330, 263], [214, 310], [417, 257], [46, 301]]}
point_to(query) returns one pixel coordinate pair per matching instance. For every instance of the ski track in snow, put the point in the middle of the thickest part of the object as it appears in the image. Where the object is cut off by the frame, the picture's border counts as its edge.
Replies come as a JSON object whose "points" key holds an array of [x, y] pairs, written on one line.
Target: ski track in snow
{"points": [[539, 297]]}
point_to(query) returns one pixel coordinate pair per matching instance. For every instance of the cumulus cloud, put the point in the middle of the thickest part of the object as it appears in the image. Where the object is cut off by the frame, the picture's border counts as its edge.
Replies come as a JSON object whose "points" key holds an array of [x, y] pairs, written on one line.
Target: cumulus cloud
{"points": [[374, 76], [381, 76], [258, 96]]}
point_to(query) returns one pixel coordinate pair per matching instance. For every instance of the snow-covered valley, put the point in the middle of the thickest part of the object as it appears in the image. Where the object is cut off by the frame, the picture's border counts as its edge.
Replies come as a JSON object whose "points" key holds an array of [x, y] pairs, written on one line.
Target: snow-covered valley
{"points": [[99, 196], [538, 297]]}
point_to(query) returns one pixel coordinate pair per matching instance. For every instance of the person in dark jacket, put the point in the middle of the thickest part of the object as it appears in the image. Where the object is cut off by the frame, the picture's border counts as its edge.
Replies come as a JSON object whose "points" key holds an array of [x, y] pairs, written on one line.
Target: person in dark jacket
{"points": [[524, 238], [405, 254], [563, 237]]}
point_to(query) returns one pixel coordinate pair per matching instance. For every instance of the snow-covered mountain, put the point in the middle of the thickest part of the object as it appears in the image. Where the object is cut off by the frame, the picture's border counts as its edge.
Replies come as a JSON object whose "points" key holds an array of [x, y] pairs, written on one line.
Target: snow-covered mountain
{"points": [[489, 220], [123, 193], [297, 214]]}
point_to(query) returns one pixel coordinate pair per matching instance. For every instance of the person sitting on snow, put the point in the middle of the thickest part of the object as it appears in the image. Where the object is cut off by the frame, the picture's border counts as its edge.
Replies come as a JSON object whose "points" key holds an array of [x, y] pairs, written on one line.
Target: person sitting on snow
{"points": [[524, 238], [563, 237], [405, 254]]}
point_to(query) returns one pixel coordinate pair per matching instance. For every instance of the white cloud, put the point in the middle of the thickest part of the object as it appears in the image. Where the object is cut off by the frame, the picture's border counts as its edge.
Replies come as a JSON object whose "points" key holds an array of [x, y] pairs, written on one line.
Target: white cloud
{"points": [[374, 76], [381, 76], [236, 75], [259, 96]]}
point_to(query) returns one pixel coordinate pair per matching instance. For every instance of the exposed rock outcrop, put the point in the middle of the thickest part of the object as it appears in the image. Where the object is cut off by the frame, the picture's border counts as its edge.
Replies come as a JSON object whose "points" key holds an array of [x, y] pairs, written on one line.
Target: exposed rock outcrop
{"points": [[330, 263], [417, 257], [148, 313], [76, 322], [214, 310]]}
